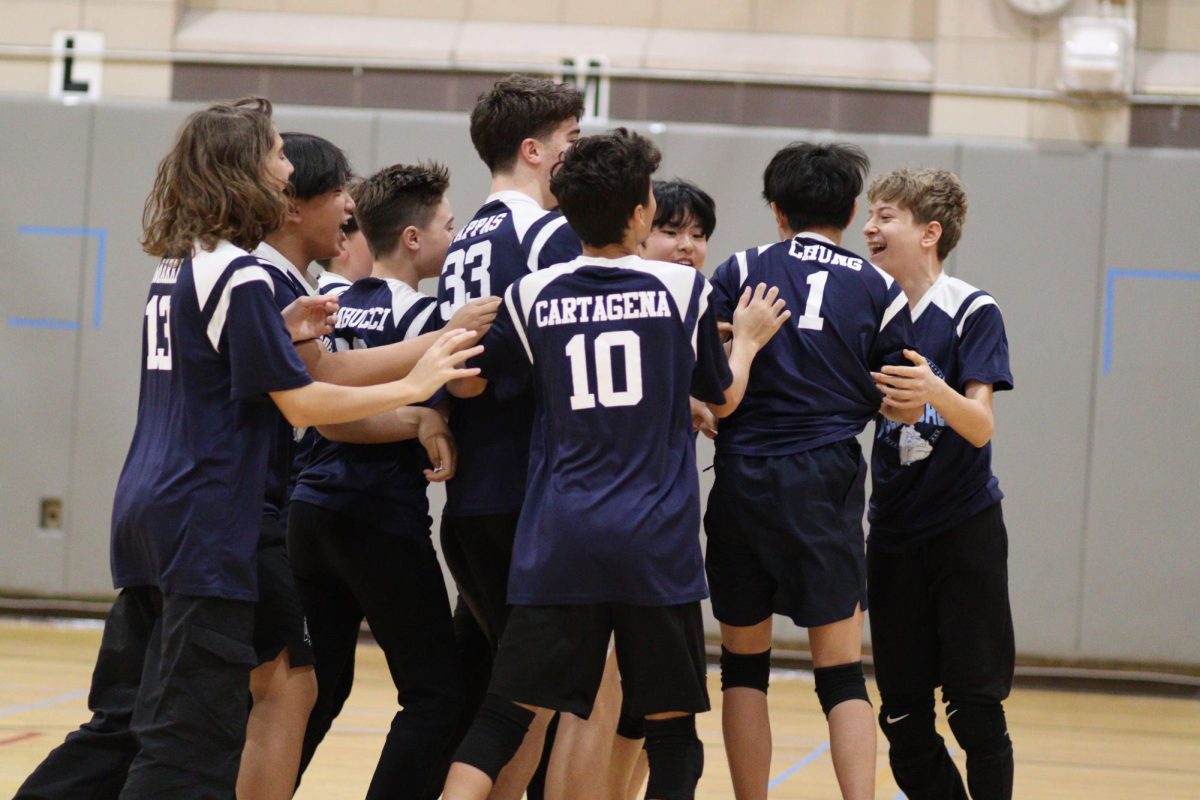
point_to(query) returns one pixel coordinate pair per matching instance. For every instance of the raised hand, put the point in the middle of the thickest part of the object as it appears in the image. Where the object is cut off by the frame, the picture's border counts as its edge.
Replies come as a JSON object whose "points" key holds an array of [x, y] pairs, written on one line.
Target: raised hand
{"points": [[442, 362], [909, 387], [310, 316], [475, 315], [759, 314]]}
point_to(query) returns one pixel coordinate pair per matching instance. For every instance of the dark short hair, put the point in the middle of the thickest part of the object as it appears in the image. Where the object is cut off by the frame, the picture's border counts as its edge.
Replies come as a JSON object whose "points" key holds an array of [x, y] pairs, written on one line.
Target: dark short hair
{"points": [[517, 108], [396, 197], [679, 200], [601, 180], [815, 185], [320, 166]]}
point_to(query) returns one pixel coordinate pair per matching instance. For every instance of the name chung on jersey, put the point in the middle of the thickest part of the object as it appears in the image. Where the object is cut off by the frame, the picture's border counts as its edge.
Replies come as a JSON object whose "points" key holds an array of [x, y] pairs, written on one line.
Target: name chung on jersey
{"points": [[601, 308], [810, 251]]}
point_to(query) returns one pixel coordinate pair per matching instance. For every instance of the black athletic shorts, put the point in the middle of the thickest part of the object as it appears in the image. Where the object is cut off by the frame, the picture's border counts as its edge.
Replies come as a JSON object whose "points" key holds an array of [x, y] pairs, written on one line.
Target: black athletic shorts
{"points": [[278, 615], [785, 536], [553, 657], [478, 552]]}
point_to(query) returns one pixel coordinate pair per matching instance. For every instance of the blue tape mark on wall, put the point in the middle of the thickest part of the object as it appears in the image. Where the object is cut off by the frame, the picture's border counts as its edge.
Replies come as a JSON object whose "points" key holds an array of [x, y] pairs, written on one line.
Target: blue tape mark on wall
{"points": [[1142, 274], [799, 765], [101, 236]]}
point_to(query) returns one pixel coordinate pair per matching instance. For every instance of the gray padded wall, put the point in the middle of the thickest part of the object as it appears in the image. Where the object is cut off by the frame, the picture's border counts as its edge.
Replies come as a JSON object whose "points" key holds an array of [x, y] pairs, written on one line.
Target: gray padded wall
{"points": [[1031, 240], [1102, 502], [1141, 550]]}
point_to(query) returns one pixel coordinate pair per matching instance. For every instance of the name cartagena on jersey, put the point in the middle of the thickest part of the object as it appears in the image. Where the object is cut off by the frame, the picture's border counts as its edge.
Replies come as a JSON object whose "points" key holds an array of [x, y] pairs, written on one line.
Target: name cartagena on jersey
{"points": [[509, 237], [612, 349]]}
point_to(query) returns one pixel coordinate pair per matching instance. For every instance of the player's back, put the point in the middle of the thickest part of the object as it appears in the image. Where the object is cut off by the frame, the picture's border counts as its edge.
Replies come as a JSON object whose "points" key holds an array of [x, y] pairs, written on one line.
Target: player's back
{"points": [[373, 482], [509, 237], [197, 464], [612, 508], [811, 384]]}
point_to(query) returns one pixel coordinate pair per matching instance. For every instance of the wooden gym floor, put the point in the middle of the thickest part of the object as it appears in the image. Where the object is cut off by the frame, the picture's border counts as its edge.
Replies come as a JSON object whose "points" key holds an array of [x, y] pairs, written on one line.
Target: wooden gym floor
{"points": [[1069, 744]]}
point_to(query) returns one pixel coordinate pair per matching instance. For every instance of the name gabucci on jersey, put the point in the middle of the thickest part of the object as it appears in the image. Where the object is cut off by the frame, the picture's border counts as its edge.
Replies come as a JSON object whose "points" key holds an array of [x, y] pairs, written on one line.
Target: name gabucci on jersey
{"points": [[625, 305], [366, 319]]}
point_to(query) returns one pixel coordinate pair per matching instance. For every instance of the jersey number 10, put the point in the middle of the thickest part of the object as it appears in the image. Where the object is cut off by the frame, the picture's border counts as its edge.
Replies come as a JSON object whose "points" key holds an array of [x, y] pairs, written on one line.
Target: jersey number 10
{"points": [[602, 350]]}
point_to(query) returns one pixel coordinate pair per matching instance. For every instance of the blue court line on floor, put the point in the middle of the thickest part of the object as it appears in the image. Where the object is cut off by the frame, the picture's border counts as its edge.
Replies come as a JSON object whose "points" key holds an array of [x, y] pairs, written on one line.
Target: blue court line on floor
{"points": [[75, 695], [49, 324], [1109, 302], [822, 748], [101, 236]]}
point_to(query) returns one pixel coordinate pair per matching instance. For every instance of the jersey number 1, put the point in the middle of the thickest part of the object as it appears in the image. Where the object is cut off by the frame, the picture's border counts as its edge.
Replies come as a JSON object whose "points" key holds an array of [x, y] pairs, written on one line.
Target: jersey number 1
{"points": [[158, 318], [811, 320], [631, 349]]}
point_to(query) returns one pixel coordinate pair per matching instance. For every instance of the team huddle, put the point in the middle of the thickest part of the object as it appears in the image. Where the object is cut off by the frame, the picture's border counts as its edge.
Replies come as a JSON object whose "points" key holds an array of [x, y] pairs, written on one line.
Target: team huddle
{"points": [[299, 393]]}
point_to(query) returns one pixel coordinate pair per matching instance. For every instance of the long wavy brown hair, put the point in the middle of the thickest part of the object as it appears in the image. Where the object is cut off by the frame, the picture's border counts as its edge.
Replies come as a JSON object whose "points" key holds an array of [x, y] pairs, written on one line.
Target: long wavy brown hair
{"points": [[214, 182]]}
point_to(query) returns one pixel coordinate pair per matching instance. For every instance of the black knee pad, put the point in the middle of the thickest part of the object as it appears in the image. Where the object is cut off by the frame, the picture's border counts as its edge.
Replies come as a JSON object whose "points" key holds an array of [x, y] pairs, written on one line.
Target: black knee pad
{"points": [[498, 730], [909, 728], [751, 671], [676, 758], [840, 683], [980, 728], [630, 727]]}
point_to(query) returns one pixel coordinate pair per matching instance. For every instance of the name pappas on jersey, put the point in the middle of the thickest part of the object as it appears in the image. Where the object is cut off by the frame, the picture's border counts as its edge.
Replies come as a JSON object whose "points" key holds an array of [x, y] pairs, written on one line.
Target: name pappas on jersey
{"points": [[811, 384], [611, 349], [510, 236]]}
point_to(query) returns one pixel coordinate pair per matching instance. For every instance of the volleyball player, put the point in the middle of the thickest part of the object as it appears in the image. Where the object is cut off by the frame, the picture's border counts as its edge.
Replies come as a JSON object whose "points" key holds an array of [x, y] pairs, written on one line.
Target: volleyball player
{"points": [[607, 541], [170, 689], [520, 128], [603, 756], [784, 518], [938, 553], [359, 536]]}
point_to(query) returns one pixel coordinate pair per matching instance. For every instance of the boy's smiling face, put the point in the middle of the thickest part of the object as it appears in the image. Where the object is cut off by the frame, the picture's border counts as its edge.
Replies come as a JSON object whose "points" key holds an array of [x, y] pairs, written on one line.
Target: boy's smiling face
{"points": [[894, 238]]}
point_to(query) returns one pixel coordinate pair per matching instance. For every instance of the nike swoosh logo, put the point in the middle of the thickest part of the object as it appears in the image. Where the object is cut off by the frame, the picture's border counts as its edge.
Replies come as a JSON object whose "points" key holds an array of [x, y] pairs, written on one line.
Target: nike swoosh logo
{"points": [[893, 720], [951, 713]]}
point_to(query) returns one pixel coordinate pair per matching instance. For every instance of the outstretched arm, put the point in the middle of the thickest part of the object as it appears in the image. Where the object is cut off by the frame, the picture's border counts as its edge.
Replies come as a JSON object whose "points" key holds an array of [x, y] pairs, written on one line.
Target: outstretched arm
{"points": [[323, 403], [758, 316]]}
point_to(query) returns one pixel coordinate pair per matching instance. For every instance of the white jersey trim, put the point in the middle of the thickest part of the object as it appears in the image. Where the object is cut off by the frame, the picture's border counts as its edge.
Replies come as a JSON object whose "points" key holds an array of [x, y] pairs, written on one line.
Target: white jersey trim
{"points": [[518, 322], [892, 310], [539, 241], [281, 262], [245, 275], [524, 209], [404, 297], [976, 304], [209, 265]]}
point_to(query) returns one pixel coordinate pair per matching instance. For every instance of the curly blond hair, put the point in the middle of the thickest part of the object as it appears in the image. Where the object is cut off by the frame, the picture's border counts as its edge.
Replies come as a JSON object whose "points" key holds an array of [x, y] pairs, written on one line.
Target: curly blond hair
{"points": [[931, 195]]}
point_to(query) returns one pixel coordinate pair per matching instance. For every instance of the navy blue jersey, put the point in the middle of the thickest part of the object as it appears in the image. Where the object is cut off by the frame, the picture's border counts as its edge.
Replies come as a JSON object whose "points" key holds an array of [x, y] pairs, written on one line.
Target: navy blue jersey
{"points": [[925, 477], [290, 285], [304, 439], [189, 500], [380, 484], [510, 236], [811, 384], [612, 349]]}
